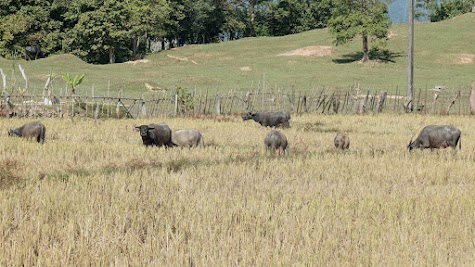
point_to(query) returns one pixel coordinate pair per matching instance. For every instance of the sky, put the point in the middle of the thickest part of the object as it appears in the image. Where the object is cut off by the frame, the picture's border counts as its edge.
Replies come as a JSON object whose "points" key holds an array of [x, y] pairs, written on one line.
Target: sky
{"points": [[399, 11]]}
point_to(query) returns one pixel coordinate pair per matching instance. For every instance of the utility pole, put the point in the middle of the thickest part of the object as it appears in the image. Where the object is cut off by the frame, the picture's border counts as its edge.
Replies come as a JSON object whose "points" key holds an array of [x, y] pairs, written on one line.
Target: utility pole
{"points": [[410, 66]]}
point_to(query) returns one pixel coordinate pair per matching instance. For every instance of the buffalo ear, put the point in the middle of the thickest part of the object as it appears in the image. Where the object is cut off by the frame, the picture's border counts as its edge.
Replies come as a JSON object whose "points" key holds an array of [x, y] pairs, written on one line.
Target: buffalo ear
{"points": [[137, 128]]}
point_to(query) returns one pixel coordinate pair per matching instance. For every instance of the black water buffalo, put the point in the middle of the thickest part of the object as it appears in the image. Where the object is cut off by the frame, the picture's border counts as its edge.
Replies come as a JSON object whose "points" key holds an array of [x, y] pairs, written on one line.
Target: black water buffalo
{"points": [[187, 138], [156, 135], [341, 141], [276, 140], [437, 136], [269, 119], [33, 52], [34, 130]]}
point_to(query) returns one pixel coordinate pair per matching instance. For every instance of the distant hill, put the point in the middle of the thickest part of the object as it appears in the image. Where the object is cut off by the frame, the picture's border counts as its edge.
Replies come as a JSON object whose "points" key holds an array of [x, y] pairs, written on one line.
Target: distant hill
{"points": [[308, 61]]}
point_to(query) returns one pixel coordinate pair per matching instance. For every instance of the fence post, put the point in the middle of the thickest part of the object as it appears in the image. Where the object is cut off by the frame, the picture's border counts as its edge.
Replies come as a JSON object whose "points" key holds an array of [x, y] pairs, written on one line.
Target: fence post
{"points": [[176, 105], [381, 100], [436, 95], [142, 106], [218, 105], [117, 109], [472, 100], [96, 112], [452, 102]]}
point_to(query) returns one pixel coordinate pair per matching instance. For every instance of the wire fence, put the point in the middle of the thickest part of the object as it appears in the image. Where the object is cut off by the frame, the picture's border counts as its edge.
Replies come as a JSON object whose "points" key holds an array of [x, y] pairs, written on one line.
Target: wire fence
{"points": [[438, 101]]}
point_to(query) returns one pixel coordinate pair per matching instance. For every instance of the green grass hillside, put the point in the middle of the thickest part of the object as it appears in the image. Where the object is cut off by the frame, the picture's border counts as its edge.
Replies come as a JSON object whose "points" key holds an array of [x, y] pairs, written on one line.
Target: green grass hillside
{"points": [[444, 55]]}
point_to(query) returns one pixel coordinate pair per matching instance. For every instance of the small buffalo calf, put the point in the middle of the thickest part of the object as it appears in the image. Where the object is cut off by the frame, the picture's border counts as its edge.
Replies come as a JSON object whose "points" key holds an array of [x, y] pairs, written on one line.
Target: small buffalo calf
{"points": [[187, 138], [341, 141], [34, 130], [276, 140]]}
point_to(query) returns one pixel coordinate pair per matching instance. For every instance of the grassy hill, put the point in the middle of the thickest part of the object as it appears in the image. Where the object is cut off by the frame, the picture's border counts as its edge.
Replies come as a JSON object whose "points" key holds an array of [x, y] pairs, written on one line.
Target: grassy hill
{"points": [[444, 55]]}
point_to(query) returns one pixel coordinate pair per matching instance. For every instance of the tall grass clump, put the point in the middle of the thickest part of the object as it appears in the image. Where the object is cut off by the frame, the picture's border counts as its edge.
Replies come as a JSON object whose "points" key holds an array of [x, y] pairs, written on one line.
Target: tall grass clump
{"points": [[9, 173]]}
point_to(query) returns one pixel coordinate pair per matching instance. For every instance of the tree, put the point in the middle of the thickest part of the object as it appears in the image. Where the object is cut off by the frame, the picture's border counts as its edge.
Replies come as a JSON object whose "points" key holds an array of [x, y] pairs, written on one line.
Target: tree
{"points": [[25, 23], [445, 9], [365, 18], [293, 16], [195, 21], [234, 26], [147, 20], [101, 35], [252, 9]]}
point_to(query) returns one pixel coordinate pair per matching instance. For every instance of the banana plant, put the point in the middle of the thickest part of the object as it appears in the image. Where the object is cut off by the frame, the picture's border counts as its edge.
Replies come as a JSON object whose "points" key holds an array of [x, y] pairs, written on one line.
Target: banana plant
{"points": [[73, 83], [22, 91]]}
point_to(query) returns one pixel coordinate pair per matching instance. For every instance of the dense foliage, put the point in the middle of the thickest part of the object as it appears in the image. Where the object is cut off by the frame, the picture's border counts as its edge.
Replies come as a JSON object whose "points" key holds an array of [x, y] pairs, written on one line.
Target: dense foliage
{"points": [[438, 10], [108, 31], [364, 18]]}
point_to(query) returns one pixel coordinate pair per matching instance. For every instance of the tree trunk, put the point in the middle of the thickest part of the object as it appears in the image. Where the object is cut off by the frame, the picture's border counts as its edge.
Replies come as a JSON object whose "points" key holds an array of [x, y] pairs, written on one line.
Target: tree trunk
{"points": [[111, 55], [365, 49], [135, 48], [252, 17]]}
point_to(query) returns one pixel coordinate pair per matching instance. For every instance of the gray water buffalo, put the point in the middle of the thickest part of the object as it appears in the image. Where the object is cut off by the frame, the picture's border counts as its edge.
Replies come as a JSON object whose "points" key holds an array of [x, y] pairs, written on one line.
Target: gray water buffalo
{"points": [[33, 52], [269, 119], [437, 136], [342, 141], [187, 138], [156, 135], [276, 140], [34, 130]]}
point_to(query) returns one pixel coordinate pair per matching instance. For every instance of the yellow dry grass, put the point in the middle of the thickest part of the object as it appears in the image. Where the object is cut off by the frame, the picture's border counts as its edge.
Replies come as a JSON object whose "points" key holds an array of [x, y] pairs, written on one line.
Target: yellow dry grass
{"points": [[92, 195]]}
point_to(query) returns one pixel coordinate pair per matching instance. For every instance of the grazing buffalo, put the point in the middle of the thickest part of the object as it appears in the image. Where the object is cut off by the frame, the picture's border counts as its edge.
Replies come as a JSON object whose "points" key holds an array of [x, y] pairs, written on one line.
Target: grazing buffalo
{"points": [[269, 119], [342, 141], [156, 135], [276, 140], [187, 138], [33, 52], [34, 130], [437, 136]]}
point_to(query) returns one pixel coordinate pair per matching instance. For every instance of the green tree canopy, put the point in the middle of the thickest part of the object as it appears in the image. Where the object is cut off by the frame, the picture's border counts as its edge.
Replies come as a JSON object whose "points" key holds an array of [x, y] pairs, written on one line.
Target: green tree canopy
{"points": [[108, 31], [293, 16], [364, 18], [444, 9]]}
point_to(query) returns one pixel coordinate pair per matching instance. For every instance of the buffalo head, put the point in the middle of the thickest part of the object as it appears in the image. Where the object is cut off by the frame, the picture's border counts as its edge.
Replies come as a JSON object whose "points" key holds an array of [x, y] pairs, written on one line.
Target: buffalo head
{"points": [[143, 129], [248, 116]]}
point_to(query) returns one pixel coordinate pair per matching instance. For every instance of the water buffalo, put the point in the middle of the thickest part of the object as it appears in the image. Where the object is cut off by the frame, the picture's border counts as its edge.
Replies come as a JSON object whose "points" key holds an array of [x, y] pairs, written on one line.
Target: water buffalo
{"points": [[34, 130], [33, 52], [269, 119], [187, 138], [437, 136], [276, 140], [156, 135], [342, 141]]}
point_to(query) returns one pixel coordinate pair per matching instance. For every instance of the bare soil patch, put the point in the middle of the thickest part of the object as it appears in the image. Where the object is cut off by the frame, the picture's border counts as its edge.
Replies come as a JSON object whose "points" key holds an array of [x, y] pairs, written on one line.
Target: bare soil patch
{"points": [[392, 34], [317, 51], [140, 61], [465, 59], [183, 59]]}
